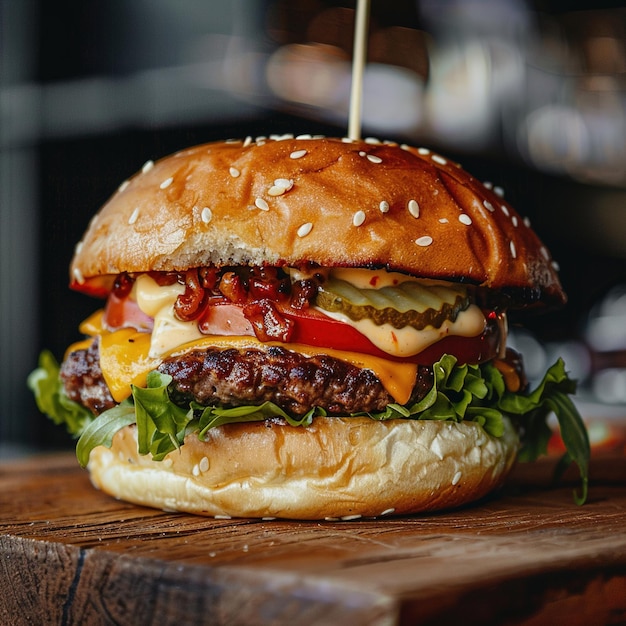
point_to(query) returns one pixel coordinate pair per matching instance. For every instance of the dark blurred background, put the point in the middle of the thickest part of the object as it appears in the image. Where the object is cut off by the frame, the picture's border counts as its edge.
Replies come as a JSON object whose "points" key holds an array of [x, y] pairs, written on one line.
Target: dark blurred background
{"points": [[530, 95]]}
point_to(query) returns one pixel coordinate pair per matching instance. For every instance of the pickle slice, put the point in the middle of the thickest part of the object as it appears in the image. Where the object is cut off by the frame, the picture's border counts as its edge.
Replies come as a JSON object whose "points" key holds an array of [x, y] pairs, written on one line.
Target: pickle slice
{"points": [[410, 303]]}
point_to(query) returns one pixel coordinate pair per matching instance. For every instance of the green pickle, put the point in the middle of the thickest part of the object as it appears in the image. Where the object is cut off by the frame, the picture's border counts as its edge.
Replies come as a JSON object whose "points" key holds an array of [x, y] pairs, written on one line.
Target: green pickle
{"points": [[410, 303]]}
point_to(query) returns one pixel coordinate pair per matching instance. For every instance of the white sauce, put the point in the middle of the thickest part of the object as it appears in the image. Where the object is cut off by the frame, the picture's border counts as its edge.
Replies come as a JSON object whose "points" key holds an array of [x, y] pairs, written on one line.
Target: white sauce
{"points": [[158, 302]]}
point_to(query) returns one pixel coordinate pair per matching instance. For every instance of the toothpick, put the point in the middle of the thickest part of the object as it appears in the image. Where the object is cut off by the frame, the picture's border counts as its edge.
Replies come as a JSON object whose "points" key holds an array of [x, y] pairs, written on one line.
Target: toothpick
{"points": [[358, 66]]}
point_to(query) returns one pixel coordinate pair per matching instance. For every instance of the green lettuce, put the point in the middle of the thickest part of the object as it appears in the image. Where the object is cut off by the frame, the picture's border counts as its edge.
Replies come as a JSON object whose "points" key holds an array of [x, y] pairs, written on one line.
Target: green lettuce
{"points": [[460, 392]]}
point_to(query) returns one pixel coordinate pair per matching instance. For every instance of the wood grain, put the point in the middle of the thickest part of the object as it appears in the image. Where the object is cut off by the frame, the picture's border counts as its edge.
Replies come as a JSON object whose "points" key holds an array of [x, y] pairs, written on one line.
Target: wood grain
{"points": [[528, 555]]}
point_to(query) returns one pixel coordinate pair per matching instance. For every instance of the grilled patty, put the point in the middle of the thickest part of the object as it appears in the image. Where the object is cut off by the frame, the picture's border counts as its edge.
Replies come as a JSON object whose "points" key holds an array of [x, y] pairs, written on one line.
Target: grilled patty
{"points": [[234, 377]]}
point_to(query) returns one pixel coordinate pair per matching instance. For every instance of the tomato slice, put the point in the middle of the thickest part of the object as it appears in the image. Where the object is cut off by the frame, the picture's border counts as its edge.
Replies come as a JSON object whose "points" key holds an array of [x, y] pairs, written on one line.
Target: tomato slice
{"points": [[96, 286]]}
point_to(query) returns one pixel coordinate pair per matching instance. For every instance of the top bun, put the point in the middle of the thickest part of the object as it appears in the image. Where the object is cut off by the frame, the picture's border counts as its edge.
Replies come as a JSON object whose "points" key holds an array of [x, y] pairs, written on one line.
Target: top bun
{"points": [[332, 202]]}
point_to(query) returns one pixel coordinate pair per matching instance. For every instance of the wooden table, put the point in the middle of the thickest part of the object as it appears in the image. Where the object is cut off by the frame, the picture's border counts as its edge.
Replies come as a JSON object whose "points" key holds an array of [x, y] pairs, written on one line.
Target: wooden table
{"points": [[71, 555]]}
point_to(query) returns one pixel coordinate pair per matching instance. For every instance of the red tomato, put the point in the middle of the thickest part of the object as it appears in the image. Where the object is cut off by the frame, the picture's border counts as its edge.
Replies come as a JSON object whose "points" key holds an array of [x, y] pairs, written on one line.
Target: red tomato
{"points": [[97, 286]]}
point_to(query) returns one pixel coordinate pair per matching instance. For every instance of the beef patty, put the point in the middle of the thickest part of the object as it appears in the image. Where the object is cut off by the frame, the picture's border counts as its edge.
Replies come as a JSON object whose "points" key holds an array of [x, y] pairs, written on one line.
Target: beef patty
{"points": [[252, 376]]}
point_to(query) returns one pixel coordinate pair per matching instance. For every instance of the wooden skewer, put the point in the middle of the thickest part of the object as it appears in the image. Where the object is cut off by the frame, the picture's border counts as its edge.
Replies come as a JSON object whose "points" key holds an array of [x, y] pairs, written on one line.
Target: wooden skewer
{"points": [[358, 65]]}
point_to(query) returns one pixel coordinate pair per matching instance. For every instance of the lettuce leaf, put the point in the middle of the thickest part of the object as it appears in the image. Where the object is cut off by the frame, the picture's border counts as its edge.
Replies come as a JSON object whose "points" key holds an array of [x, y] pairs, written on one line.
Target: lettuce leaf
{"points": [[460, 392], [51, 398]]}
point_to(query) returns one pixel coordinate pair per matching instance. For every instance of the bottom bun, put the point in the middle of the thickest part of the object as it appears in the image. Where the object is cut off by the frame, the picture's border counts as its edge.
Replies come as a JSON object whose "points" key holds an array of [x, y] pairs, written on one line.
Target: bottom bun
{"points": [[339, 468]]}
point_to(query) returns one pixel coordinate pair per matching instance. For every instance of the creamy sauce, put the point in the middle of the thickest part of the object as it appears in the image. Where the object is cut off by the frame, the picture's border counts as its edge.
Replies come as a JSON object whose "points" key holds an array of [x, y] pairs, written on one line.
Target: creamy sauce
{"points": [[158, 302]]}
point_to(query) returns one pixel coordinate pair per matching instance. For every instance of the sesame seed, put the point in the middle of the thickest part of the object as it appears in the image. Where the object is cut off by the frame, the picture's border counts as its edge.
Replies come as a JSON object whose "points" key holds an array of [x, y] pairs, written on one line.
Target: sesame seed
{"points": [[204, 464], [78, 247], [498, 191], [405, 146], [297, 154], [544, 253], [456, 478], [362, 153], [305, 229], [526, 221], [234, 172], [514, 221], [261, 204], [388, 511], [195, 470], [488, 185], [488, 206], [247, 141], [166, 183], [358, 218], [306, 136], [347, 140], [133, 216], [439, 159], [78, 275], [424, 241], [464, 218], [123, 186], [147, 166], [414, 208], [374, 159], [221, 517], [504, 210], [206, 215], [280, 186], [349, 518], [285, 183], [373, 141], [555, 266], [513, 250], [261, 139], [443, 220], [384, 206], [423, 151]]}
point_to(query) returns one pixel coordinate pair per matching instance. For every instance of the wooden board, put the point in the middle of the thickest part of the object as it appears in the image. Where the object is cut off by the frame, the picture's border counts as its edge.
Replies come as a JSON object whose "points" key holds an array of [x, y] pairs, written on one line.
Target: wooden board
{"points": [[71, 555]]}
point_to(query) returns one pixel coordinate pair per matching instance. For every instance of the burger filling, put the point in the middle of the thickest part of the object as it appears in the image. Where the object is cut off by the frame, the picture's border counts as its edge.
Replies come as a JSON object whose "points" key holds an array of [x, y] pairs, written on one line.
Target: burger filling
{"points": [[183, 352], [347, 341]]}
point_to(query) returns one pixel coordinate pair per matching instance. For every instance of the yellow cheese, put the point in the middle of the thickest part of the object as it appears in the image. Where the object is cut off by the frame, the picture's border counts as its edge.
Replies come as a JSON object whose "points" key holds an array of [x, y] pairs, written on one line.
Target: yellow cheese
{"points": [[125, 360]]}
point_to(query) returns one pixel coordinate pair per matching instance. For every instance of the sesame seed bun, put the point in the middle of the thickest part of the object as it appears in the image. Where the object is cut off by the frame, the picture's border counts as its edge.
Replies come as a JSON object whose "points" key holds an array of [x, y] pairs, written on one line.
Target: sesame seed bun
{"points": [[335, 468], [332, 202]]}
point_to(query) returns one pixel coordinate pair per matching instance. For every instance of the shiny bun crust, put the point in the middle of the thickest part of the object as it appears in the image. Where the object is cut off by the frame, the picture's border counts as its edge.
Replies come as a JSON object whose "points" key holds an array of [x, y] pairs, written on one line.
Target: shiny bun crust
{"points": [[332, 202], [340, 468]]}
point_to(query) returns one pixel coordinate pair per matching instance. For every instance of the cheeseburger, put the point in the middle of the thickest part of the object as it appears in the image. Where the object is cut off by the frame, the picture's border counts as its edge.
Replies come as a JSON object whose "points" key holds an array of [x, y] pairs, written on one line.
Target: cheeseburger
{"points": [[307, 328]]}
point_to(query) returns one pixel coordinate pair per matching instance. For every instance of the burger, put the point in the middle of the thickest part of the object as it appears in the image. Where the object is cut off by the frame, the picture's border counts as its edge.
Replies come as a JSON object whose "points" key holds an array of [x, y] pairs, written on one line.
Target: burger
{"points": [[307, 328]]}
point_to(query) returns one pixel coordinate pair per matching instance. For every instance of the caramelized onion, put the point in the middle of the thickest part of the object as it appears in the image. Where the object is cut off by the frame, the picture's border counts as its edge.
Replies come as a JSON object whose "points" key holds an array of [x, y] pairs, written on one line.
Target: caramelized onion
{"points": [[189, 305]]}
